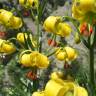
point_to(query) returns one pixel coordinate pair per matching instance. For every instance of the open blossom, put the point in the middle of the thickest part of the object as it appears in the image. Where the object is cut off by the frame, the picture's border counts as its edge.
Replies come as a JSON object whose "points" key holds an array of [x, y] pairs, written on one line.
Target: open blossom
{"points": [[63, 29], [9, 20], [29, 3], [66, 53], [59, 87], [83, 9], [55, 25], [7, 47], [51, 23], [34, 58]]}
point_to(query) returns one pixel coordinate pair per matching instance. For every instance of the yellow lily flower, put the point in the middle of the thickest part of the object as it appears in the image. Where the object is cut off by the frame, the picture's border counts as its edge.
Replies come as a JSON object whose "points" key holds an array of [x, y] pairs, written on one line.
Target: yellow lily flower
{"points": [[34, 58], [71, 53], [43, 61], [5, 17], [29, 3], [77, 13], [61, 56], [63, 29], [82, 9], [51, 23], [33, 3], [85, 5], [59, 87], [66, 53], [8, 47], [10, 21], [40, 60], [16, 22]]}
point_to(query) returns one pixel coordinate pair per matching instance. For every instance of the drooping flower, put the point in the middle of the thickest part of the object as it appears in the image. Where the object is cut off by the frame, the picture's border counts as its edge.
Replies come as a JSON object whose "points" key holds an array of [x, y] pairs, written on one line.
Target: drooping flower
{"points": [[16, 22], [66, 53], [29, 3], [71, 53], [40, 60], [51, 23], [56, 86], [63, 29], [83, 10], [55, 25], [60, 54], [86, 5], [7, 47], [34, 58], [9, 20], [5, 17]]}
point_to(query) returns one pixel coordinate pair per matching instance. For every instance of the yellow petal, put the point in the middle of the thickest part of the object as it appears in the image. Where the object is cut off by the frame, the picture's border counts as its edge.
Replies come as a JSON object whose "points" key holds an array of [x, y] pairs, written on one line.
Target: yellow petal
{"points": [[25, 60], [16, 22], [85, 5], [71, 53], [42, 61], [38, 93], [54, 89], [1, 42], [77, 13], [81, 91], [57, 78], [5, 17], [63, 29], [61, 55], [8, 48], [33, 3], [21, 2], [50, 23]]}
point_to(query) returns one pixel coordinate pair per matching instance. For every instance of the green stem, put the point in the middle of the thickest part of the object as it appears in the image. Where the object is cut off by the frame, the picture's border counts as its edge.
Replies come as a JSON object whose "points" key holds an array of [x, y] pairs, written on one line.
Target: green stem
{"points": [[92, 77], [38, 33], [51, 53], [40, 48]]}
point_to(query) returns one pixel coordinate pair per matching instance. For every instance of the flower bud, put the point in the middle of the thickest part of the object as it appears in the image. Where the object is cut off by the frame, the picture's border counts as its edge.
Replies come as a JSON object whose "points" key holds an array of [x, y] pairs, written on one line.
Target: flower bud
{"points": [[77, 38], [20, 37]]}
